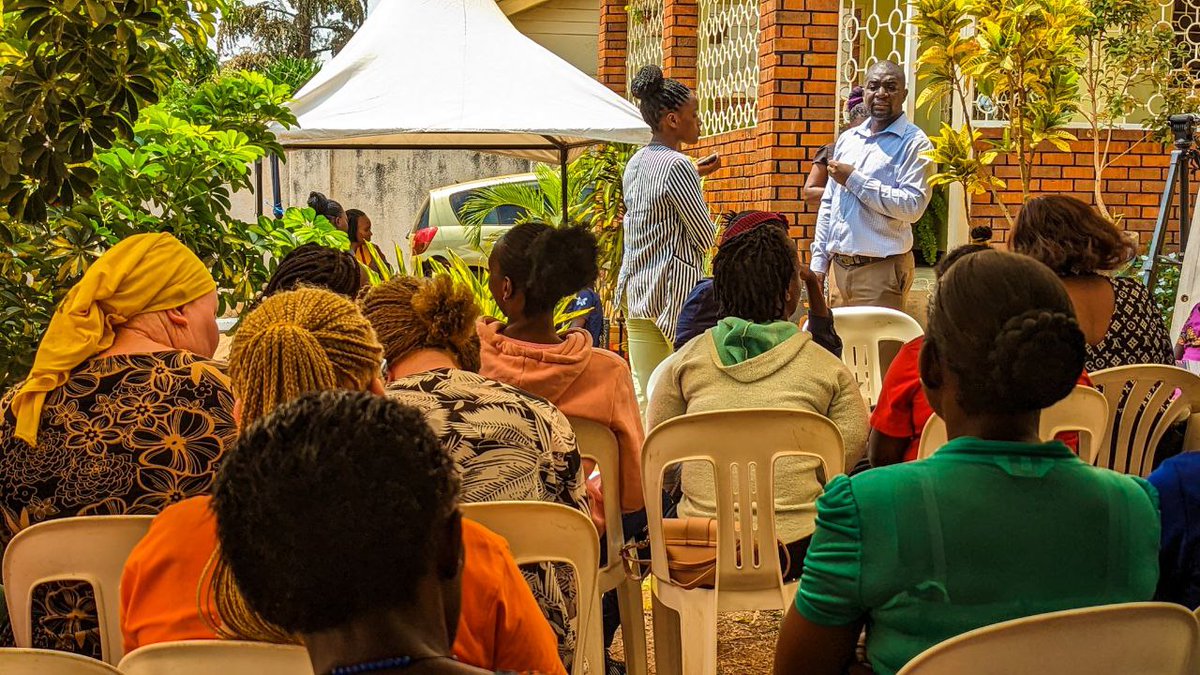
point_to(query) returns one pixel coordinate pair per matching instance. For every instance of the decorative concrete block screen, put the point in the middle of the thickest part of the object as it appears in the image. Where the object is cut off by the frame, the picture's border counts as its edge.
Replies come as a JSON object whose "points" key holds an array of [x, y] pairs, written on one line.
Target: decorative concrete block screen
{"points": [[645, 38], [727, 65]]}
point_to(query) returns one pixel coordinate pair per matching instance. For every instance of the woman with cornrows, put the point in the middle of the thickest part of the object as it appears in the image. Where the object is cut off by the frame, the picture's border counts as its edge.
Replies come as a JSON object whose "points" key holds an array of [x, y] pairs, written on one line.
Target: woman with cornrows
{"points": [[668, 228]]}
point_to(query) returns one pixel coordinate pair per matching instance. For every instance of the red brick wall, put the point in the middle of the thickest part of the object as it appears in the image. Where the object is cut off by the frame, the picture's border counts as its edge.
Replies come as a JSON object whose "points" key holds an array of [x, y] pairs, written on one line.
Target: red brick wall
{"points": [[765, 167], [1132, 186]]}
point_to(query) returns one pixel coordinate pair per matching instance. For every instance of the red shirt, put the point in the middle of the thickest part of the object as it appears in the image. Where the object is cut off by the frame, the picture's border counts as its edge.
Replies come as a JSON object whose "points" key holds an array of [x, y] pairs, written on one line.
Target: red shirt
{"points": [[902, 410]]}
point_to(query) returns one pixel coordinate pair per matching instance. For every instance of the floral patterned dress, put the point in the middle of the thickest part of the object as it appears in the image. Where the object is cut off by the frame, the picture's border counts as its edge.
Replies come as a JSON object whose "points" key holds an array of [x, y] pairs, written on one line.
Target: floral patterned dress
{"points": [[509, 445], [128, 434]]}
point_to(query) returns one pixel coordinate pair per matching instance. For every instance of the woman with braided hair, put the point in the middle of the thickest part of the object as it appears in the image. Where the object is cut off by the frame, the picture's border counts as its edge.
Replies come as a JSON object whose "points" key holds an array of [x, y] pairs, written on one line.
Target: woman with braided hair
{"points": [[317, 266], [668, 228], [756, 358], [997, 524], [297, 342]]}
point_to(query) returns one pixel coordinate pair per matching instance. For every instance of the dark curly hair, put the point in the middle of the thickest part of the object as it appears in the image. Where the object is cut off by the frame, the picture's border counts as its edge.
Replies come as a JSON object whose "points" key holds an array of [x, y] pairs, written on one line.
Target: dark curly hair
{"points": [[955, 255], [317, 266], [331, 507], [753, 272], [325, 206], [1003, 323], [1069, 237], [547, 263], [657, 95]]}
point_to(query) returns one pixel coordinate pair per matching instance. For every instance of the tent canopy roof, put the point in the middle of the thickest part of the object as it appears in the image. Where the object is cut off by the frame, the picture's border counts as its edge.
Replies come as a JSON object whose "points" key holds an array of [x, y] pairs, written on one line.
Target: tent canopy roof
{"points": [[456, 74]]}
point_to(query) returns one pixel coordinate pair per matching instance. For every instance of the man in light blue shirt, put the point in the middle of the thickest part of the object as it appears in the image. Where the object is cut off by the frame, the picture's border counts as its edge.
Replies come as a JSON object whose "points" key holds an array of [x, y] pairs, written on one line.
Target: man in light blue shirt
{"points": [[879, 187]]}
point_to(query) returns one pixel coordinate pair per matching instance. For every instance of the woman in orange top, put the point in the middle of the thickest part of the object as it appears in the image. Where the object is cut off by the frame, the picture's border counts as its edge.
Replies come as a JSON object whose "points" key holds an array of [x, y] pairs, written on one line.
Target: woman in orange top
{"points": [[169, 578]]}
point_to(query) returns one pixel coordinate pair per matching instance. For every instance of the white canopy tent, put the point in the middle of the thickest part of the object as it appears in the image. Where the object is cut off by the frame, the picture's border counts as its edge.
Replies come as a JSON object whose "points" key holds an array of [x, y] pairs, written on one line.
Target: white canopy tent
{"points": [[447, 74]]}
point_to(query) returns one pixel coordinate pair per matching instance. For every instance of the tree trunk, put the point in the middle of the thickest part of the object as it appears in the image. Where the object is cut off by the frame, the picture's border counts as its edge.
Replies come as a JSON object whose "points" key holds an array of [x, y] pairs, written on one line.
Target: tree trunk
{"points": [[304, 29]]}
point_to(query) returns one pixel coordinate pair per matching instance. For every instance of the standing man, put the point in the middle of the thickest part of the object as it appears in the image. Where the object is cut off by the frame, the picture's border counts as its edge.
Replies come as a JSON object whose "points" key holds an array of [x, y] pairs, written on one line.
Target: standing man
{"points": [[879, 187]]}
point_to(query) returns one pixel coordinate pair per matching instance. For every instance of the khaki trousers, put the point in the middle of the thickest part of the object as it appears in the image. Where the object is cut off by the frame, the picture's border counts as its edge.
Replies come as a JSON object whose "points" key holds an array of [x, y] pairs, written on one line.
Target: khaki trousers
{"points": [[881, 284]]}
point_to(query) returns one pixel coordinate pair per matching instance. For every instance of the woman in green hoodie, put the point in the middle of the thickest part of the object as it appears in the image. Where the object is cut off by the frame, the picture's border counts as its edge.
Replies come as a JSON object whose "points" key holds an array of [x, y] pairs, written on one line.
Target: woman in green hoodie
{"points": [[756, 358]]}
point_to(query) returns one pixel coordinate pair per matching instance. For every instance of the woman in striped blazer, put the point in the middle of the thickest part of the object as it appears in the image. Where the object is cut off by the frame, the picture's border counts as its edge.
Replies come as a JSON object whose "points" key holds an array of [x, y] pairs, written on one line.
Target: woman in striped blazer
{"points": [[668, 228]]}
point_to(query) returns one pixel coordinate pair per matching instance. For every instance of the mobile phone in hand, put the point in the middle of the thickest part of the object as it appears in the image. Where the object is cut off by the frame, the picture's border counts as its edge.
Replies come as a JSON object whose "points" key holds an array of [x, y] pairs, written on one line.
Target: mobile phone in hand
{"points": [[708, 160]]}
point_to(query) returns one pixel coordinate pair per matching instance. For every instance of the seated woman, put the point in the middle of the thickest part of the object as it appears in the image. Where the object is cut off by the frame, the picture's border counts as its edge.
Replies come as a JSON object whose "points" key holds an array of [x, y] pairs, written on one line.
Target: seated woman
{"points": [[756, 358], [1178, 483], [372, 584], [296, 342], [317, 266], [996, 525], [1187, 348], [701, 312], [1120, 323], [122, 413], [534, 266], [508, 444]]}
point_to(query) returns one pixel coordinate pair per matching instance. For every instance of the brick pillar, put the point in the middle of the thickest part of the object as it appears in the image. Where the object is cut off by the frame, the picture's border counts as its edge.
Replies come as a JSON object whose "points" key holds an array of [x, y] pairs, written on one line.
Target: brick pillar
{"points": [[613, 44], [797, 81], [680, 21]]}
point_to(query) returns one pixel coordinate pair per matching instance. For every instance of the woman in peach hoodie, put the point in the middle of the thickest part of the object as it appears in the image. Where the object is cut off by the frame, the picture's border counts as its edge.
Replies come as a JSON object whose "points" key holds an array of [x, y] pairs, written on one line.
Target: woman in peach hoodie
{"points": [[532, 267]]}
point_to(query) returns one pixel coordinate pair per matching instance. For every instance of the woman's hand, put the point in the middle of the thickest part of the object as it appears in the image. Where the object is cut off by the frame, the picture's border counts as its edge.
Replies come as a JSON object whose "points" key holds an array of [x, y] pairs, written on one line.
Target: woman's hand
{"points": [[709, 164]]}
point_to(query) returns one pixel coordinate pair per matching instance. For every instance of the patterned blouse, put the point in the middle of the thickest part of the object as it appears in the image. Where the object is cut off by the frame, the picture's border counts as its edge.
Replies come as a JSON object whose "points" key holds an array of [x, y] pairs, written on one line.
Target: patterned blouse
{"points": [[1136, 333], [129, 434], [510, 446]]}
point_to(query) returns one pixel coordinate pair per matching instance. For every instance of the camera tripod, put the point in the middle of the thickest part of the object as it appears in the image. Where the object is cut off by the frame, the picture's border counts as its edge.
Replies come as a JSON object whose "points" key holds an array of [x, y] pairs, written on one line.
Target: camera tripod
{"points": [[1184, 159]]}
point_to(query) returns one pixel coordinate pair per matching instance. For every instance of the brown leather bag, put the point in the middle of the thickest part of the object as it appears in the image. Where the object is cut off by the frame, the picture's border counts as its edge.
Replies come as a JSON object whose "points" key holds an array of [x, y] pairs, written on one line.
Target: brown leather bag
{"points": [[691, 545]]}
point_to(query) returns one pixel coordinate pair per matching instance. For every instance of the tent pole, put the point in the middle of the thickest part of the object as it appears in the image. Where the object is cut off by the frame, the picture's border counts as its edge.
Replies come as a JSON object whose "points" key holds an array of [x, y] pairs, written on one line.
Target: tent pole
{"points": [[562, 158], [277, 206]]}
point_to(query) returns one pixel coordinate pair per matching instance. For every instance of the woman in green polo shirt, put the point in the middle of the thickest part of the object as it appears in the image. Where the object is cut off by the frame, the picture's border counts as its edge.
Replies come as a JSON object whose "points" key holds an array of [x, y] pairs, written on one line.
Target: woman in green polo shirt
{"points": [[996, 525]]}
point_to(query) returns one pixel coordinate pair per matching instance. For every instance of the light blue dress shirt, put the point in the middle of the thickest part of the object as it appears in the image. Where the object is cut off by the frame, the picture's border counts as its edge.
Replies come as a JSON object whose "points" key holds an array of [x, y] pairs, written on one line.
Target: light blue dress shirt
{"points": [[872, 214]]}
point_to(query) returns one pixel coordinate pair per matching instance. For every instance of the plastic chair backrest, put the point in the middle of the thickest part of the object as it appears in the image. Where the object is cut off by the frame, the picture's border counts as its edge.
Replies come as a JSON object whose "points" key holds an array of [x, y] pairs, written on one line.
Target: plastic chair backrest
{"points": [[540, 532], [861, 330], [742, 446], [82, 548], [21, 661], [1131, 639], [1084, 410], [226, 657], [598, 443], [1143, 402]]}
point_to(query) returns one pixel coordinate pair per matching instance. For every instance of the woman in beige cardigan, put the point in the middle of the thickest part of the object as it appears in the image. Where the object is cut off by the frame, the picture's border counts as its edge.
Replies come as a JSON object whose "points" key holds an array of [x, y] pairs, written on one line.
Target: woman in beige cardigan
{"points": [[756, 358]]}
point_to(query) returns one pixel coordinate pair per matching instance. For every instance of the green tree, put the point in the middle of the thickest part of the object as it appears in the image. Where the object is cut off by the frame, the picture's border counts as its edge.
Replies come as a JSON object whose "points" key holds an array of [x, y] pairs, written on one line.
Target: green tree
{"points": [[303, 29], [1131, 56], [76, 74]]}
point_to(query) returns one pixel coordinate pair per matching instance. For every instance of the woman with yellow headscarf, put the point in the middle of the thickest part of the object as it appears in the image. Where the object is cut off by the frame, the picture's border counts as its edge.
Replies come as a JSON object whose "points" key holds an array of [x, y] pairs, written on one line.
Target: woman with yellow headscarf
{"points": [[122, 413]]}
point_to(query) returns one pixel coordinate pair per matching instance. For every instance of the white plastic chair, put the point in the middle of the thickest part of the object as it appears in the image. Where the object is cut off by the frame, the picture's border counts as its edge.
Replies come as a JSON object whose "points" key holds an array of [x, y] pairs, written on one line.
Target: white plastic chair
{"points": [[539, 532], [597, 443], [1143, 638], [1143, 402], [85, 548], [226, 657], [1084, 410], [48, 662], [861, 330], [742, 446]]}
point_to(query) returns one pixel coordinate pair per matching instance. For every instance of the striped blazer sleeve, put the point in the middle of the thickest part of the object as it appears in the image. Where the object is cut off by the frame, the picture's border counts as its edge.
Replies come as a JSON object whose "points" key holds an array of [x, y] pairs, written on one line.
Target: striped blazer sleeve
{"points": [[683, 188]]}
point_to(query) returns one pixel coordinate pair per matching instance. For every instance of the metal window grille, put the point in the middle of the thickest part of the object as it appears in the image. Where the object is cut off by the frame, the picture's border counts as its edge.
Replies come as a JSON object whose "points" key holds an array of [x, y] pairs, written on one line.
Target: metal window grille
{"points": [[727, 65], [645, 37]]}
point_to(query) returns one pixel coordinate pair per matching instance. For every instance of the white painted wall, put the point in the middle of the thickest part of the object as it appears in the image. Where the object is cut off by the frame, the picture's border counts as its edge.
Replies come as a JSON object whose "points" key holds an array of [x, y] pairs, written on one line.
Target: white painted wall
{"points": [[569, 28], [388, 185]]}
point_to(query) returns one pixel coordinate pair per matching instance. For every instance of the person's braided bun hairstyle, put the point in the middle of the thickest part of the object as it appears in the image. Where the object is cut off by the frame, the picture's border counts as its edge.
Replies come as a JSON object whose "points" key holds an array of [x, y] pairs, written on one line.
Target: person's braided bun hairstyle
{"points": [[657, 95], [547, 263], [300, 341], [1004, 324], [411, 313], [318, 266], [325, 206]]}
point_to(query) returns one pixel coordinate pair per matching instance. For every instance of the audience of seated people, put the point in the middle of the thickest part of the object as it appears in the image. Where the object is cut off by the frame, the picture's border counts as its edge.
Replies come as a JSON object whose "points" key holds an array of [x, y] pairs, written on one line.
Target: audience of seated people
{"points": [[293, 343], [1117, 314], [915, 553], [997, 525], [701, 311], [756, 357], [507, 443], [122, 413], [354, 496]]}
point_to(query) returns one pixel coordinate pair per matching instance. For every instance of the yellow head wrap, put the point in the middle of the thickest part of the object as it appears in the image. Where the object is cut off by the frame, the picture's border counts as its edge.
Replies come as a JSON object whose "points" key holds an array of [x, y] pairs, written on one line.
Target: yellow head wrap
{"points": [[144, 273]]}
